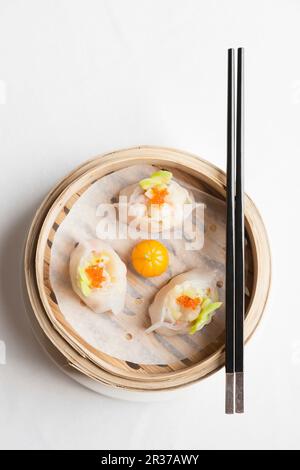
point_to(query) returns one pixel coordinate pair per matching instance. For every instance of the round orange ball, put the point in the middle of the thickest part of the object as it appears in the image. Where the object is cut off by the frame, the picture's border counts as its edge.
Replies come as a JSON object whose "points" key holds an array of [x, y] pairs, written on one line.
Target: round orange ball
{"points": [[150, 258]]}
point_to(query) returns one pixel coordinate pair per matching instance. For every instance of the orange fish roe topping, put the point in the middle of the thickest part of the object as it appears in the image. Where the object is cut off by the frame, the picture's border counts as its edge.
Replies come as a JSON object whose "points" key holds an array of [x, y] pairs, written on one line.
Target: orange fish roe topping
{"points": [[95, 275], [158, 196], [187, 302]]}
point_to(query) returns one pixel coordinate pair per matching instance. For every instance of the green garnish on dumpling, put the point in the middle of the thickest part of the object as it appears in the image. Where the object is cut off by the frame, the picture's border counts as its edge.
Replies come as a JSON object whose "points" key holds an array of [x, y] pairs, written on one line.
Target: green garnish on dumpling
{"points": [[84, 282], [207, 308], [158, 178]]}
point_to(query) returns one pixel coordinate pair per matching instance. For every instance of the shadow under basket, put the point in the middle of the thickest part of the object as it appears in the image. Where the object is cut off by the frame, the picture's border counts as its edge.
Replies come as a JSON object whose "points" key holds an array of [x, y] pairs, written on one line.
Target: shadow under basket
{"points": [[82, 356]]}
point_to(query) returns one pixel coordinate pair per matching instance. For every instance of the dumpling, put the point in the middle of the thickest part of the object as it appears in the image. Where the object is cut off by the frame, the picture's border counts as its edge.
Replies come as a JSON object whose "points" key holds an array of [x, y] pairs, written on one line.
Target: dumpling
{"points": [[185, 305], [157, 203], [98, 276]]}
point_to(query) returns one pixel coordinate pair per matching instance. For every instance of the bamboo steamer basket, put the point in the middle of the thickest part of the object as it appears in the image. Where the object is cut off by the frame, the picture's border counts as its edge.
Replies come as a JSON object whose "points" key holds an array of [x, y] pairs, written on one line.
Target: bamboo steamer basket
{"points": [[80, 355]]}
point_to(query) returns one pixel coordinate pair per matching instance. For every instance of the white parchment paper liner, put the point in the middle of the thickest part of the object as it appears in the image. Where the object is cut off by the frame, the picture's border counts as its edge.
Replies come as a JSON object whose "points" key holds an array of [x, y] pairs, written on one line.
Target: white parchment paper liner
{"points": [[124, 336]]}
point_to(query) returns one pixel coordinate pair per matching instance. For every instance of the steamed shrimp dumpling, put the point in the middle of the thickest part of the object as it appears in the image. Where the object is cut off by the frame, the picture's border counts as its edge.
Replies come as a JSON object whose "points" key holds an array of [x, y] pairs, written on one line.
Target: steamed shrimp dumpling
{"points": [[185, 305], [98, 276], [158, 202]]}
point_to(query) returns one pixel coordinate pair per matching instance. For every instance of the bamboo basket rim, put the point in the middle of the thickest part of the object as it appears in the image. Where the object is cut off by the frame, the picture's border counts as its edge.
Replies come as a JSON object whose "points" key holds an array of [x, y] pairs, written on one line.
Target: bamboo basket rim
{"points": [[93, 174], [91, 166]]}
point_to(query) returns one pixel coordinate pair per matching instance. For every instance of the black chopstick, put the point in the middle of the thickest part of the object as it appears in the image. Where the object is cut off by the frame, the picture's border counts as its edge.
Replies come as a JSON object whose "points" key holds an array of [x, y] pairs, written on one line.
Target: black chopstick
{"points": [[235, 265], [239, 239], [230, 265]]}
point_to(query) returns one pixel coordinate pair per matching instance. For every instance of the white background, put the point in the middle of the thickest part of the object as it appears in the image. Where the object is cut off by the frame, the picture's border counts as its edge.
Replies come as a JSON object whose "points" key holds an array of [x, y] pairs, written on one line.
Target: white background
{"points": [[81, 77]]}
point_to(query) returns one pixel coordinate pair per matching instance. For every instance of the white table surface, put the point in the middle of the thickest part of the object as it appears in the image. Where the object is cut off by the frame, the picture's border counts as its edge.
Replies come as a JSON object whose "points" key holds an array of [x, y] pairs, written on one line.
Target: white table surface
{"points": [[78, 78]]}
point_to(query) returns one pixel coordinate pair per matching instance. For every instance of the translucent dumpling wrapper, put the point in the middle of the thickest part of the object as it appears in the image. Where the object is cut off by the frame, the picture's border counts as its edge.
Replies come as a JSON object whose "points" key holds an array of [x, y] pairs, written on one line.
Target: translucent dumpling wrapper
{"points": [[98, 276], [185, 305], [157, 203]]}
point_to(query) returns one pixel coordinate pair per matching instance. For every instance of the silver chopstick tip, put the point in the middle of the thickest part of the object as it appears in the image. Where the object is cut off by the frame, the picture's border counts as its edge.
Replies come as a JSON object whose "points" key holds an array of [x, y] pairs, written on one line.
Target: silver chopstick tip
{"points": [[229, 394], [239, 392]]}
